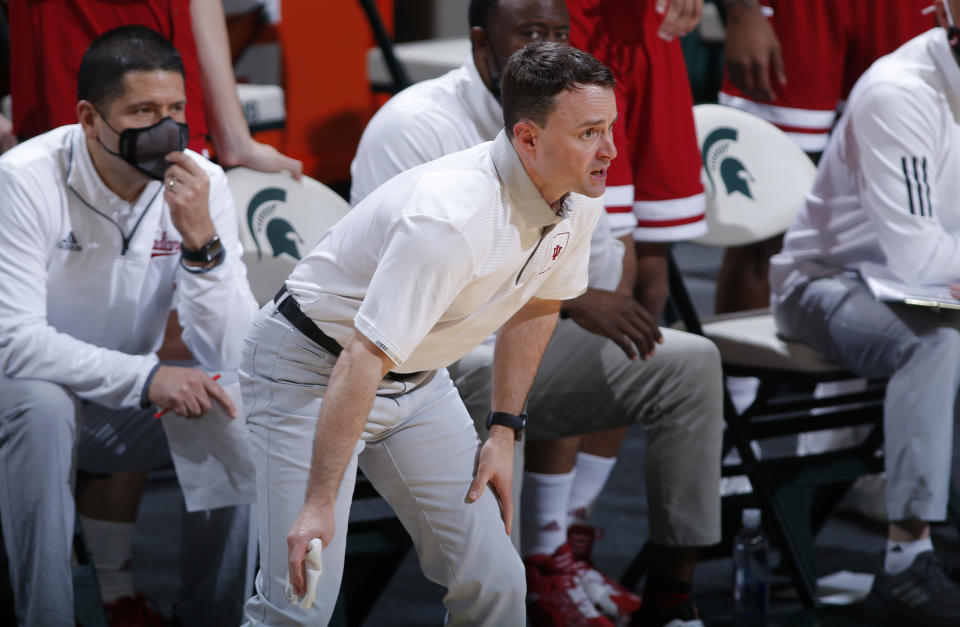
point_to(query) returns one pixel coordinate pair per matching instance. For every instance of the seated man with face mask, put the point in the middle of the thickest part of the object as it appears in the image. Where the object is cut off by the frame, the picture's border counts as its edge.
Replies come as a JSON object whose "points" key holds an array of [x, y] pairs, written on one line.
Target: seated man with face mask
{"points": [[105, 226]]}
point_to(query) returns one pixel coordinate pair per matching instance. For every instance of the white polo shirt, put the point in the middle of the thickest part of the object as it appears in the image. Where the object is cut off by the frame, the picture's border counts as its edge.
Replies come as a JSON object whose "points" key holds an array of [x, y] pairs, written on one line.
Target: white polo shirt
{"points": [[438, 258], [887, 188], [444, 115]]}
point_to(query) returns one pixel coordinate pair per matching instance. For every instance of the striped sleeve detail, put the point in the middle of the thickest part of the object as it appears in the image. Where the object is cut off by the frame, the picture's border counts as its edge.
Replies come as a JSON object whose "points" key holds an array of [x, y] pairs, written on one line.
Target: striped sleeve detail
{"points": [[918, 186], [809, 128], [672, 220]]}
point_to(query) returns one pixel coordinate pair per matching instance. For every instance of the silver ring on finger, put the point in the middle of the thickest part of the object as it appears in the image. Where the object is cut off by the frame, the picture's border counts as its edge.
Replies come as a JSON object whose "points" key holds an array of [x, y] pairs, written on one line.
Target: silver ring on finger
{"points": [[171, 183]]}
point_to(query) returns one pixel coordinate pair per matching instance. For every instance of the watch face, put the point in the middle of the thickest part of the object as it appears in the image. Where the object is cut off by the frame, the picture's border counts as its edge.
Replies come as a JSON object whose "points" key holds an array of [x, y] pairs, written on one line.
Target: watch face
{"points": [[213, 249]]}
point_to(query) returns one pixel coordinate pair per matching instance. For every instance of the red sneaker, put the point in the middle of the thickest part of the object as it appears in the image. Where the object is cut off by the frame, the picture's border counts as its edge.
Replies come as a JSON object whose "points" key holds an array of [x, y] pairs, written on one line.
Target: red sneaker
{"points": [[607, 594], [133, 612], [554, 594]]}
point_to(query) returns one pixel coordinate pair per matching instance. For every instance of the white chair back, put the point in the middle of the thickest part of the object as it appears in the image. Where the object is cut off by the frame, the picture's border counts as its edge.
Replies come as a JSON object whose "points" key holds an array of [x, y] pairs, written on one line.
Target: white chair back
{"points": [[281, 220], [755, 177]]}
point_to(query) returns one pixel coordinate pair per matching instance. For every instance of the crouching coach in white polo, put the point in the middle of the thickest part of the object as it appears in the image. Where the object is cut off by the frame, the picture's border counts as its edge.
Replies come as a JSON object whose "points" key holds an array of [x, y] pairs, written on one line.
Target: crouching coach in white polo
{"points": [[413, 278]]}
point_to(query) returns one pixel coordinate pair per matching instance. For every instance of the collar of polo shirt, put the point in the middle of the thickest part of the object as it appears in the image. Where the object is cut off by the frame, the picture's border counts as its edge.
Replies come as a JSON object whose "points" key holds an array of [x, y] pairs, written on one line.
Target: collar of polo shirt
{"points": [[525, 196]]}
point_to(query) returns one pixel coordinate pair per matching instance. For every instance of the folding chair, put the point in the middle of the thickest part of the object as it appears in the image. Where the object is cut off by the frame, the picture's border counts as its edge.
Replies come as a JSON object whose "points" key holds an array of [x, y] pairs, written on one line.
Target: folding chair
{"points": [[280, 221], [756, 180]]}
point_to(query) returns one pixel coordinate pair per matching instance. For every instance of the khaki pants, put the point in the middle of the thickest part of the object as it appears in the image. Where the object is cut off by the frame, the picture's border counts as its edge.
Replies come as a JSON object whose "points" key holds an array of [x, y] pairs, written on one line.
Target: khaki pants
{"points": [[418, 450], [586, 383]]}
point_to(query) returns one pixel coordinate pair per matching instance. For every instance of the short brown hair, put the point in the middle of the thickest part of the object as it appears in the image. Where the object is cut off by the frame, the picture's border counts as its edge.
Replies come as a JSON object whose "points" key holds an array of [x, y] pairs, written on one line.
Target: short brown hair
{"points": [[131, 48], [539, 71]]}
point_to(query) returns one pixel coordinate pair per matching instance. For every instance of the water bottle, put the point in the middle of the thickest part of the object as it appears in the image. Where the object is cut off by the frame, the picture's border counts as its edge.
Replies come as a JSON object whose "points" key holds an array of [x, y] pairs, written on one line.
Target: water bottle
{"points": [[751, 571]]}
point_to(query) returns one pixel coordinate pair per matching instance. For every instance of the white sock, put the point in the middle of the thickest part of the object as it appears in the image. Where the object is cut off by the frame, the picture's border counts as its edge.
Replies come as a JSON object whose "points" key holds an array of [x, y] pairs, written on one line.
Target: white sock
{"points": [[900, 555], [590, 476], [110, 546], [543, 507]]}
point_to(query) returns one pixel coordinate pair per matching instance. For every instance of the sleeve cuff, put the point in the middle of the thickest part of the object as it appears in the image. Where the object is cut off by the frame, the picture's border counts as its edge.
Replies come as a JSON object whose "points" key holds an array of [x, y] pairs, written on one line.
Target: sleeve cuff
{"points": [[145, 391]]}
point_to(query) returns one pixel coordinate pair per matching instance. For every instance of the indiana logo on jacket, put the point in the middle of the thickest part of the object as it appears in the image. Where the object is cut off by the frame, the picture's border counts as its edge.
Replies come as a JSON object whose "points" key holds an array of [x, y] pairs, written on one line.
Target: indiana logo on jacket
{"points": [[163, 247], [268, 227], [717, 160]]}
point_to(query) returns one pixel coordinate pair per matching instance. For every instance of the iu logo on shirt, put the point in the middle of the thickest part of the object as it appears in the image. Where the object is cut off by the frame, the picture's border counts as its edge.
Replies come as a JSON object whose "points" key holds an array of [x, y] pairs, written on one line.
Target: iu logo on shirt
{"points": [[718, 160], [557, 246], [267, 226]]}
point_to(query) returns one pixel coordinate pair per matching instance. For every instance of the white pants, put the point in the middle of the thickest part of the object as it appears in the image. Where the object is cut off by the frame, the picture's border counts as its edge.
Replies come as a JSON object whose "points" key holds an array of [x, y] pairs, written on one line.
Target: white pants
{"points": [[418, 450]]}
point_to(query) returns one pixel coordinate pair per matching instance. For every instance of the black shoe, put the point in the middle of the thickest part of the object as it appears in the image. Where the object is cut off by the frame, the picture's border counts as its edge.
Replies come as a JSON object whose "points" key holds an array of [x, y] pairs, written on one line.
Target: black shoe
{"points": [[685, 615], [922, 595]]}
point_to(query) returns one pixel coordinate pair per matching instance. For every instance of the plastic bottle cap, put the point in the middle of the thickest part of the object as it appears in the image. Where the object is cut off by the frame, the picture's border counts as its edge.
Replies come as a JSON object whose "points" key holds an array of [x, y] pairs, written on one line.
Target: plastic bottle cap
{"points": [[751, 517]]}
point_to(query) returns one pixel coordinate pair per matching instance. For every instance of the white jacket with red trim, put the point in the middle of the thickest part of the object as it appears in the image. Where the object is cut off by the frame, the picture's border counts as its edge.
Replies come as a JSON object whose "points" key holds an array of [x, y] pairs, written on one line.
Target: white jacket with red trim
{"points": [[87, 279]]}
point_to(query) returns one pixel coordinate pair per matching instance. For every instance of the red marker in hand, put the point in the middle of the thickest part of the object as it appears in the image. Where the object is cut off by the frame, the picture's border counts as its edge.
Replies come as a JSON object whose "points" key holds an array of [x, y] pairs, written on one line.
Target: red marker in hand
{"points": [[162, 412]]}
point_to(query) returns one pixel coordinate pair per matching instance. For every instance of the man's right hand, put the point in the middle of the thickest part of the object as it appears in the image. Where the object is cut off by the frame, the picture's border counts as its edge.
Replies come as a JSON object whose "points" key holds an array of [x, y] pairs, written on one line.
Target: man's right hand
{"points": [[618, 317], [314, 521], [187, 391], [681, 17], [752, 51]]}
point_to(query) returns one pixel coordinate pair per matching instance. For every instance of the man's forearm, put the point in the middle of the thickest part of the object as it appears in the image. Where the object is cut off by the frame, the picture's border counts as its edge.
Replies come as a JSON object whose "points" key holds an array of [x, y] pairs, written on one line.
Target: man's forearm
{"points": [[520, 345], [345, 408], [652, 277], [228, 127]]}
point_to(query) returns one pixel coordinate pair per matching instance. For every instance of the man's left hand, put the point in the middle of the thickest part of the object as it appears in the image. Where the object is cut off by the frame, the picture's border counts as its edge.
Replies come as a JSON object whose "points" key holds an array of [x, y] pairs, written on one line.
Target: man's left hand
{"points": [[186, 190], [682, 16], [496, 468]]}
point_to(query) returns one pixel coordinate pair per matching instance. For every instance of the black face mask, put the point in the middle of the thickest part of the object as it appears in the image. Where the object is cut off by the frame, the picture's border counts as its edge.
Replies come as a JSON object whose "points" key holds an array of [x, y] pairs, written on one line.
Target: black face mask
{"points": [[145, 147]]}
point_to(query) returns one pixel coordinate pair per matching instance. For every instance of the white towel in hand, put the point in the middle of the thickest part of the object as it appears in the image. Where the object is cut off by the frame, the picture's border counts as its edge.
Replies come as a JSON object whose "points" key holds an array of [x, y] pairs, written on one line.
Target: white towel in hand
{"points": [[312, 561]]}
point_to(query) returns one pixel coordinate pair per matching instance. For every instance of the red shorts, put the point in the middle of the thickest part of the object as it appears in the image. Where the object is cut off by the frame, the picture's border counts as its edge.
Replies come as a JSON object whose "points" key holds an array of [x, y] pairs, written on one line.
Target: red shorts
{"points": [[653, 186], [826, 46], [48, 39]]}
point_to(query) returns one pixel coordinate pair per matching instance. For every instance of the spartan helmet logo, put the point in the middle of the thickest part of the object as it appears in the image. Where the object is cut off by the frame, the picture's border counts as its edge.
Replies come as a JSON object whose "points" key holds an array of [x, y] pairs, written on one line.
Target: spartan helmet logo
{"points": [[732, 172], [266, 226]]}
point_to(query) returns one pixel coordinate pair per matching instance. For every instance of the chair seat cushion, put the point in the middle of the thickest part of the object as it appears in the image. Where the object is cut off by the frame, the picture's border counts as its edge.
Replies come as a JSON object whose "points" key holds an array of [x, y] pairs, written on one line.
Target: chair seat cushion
{"points": [[750, 339]]}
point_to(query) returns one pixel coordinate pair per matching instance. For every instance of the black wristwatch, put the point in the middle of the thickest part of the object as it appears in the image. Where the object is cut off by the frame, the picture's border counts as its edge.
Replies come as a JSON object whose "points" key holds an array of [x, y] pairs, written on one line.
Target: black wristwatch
{"points": [[517, 423], [210, 252]]}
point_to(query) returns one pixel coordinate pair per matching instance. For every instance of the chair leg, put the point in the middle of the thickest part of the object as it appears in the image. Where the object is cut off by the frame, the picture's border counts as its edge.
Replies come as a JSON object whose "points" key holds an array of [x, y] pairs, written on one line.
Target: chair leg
{"points": [[788, 509], [637, 568]]}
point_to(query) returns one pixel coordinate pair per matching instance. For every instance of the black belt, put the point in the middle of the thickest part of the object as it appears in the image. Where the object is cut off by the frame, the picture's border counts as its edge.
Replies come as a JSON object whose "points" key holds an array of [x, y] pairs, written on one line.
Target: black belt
{"points": [[301, 322]]}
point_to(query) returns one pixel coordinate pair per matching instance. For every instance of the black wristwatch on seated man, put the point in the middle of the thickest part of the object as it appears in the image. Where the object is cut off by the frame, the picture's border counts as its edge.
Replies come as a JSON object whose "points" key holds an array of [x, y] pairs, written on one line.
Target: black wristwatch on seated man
{"points": [[502, 418], [210, 252]]}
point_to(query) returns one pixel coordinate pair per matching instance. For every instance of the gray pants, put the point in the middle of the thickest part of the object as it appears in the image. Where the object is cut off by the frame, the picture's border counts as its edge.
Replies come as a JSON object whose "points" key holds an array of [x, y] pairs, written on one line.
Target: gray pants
{"points": [[418, 449], [586, 383], [46, 432], [918, 349]]}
